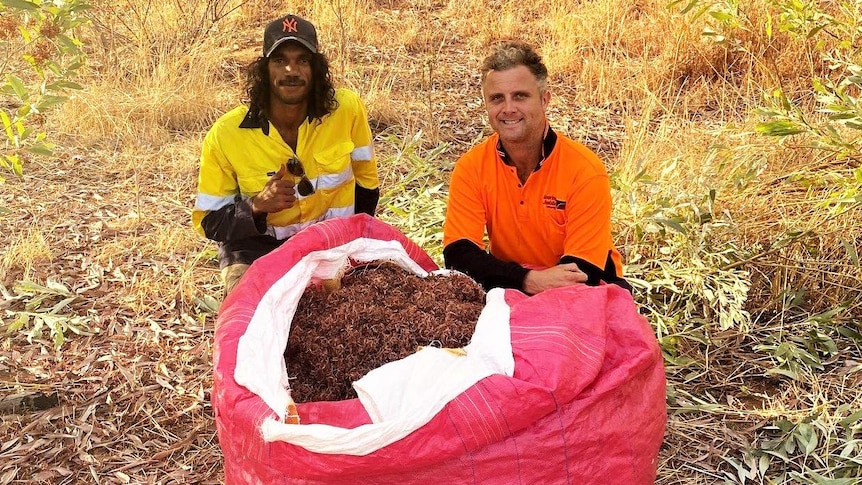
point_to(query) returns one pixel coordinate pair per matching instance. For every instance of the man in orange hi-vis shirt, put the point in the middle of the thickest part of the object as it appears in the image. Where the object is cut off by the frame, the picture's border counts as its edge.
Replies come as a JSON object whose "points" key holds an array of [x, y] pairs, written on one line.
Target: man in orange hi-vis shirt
{"points": [[543, 199]]}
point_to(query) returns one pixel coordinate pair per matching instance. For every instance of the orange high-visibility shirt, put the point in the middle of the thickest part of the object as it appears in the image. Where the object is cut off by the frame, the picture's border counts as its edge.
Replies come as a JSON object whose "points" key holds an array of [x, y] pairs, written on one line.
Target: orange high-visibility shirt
{"points": [[563, 209]]}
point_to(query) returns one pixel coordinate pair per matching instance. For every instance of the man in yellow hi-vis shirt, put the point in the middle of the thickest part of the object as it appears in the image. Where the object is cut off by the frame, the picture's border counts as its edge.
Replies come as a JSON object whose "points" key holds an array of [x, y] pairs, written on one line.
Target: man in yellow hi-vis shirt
{"points": [[299, 152]]}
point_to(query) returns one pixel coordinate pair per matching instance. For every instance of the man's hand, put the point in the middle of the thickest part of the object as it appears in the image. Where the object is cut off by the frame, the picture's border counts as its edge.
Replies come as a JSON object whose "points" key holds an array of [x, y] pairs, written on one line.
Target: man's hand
{"points": [[567, 274], [278, 194]]}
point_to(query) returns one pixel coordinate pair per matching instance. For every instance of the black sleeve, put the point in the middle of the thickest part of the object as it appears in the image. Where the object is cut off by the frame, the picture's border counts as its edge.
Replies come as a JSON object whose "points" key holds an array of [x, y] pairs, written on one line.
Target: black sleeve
{"points": [[488, 271], [233, 222], [365, 200], [596, 274]]}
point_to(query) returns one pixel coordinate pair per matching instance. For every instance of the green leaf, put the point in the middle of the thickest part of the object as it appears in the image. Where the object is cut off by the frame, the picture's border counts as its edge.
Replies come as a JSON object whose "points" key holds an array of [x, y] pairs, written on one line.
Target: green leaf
{"points": [[850, 333], [783, 372], [769, 26], [790, 446], [780, 128], [785, 103], [80, 7], [41, 149], [827, 316], [74, 66], [64, 84], [844, 423], [763, 464], [815, 30], [35, 65], [62, 304], [24, 131], [850, 249], [25, 34], [779, 453], [19, 323], [57, 287], [50, 101], [36, 331], [207, 304], [672, 224], [18, 87], [69, 44], [59, 338], [20, 5], [7, 124], [806, 435], [23, 111], [722, 16], [841, 116], [687, 8], [14, 163]]}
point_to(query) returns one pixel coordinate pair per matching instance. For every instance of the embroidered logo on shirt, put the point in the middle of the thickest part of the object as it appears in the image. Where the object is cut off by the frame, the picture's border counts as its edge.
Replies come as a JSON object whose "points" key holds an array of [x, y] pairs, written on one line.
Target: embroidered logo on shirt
{"points": [[552, 202]]}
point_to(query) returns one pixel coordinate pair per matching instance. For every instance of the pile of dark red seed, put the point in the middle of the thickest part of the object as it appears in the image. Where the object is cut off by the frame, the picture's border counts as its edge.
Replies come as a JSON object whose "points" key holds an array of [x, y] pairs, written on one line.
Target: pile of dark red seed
{"points": [[380, 314]]}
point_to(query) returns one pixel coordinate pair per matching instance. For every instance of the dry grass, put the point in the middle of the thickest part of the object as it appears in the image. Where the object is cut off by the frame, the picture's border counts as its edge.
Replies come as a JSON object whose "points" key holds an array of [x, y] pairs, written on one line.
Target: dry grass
{"points": [[109, 216], [25, 250]]}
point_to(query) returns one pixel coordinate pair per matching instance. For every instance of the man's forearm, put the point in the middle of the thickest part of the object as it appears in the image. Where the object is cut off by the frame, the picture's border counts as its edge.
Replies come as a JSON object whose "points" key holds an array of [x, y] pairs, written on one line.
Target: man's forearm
{"points": [[487, 270], [366, 200], [596, 274], [233, 222]]}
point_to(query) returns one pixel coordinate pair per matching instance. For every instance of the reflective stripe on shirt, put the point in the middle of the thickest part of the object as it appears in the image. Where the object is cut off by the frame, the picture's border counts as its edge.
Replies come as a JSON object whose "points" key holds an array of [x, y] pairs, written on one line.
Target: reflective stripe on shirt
{"points": [[334, 180], [284, 232], [362, 153], [206, 202]]}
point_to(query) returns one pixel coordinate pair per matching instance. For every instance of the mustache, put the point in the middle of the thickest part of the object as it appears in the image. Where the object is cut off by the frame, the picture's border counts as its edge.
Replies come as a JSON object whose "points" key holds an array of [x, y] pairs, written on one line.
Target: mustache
{"points": [[291, 81]]}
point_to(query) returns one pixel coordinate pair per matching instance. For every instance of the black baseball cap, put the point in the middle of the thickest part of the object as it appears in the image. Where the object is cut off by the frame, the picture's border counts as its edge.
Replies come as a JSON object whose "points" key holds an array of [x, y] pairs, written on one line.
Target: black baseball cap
{"points": [[289, 27]]}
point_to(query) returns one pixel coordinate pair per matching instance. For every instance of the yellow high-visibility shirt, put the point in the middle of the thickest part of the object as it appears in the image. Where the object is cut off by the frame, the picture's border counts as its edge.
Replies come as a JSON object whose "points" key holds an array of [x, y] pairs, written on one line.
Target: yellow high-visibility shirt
{"points": [[336, 153]]}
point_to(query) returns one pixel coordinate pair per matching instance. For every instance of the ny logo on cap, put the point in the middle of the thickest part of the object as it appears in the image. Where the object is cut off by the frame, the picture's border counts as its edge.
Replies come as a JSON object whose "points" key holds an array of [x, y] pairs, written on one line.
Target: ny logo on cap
{"points": [[288, 25]]}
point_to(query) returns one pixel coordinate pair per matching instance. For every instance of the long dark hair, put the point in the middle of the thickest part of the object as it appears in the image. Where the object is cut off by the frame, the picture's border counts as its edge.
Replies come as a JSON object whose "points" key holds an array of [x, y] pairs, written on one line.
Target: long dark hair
{"points": [[321, 98]]}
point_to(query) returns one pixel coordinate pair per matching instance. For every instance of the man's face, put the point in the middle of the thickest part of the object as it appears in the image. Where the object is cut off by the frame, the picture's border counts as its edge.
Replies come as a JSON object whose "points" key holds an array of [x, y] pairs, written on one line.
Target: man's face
{"points": [[290, 74], [515, 104]]}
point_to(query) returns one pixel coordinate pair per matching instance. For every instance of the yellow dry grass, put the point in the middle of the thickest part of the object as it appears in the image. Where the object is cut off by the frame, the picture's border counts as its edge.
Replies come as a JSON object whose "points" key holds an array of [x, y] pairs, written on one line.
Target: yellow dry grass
{"points": [[26, 249]]}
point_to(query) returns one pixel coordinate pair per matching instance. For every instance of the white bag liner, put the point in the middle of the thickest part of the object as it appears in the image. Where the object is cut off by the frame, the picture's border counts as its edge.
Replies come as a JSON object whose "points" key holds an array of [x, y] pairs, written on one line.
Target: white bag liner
{"points": [[400, 396]]}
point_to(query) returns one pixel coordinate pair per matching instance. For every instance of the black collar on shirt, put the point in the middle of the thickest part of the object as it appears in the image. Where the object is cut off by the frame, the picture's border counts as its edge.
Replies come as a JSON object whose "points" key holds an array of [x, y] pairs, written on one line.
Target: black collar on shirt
{"points": [[255, 119], [548, 144]]}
